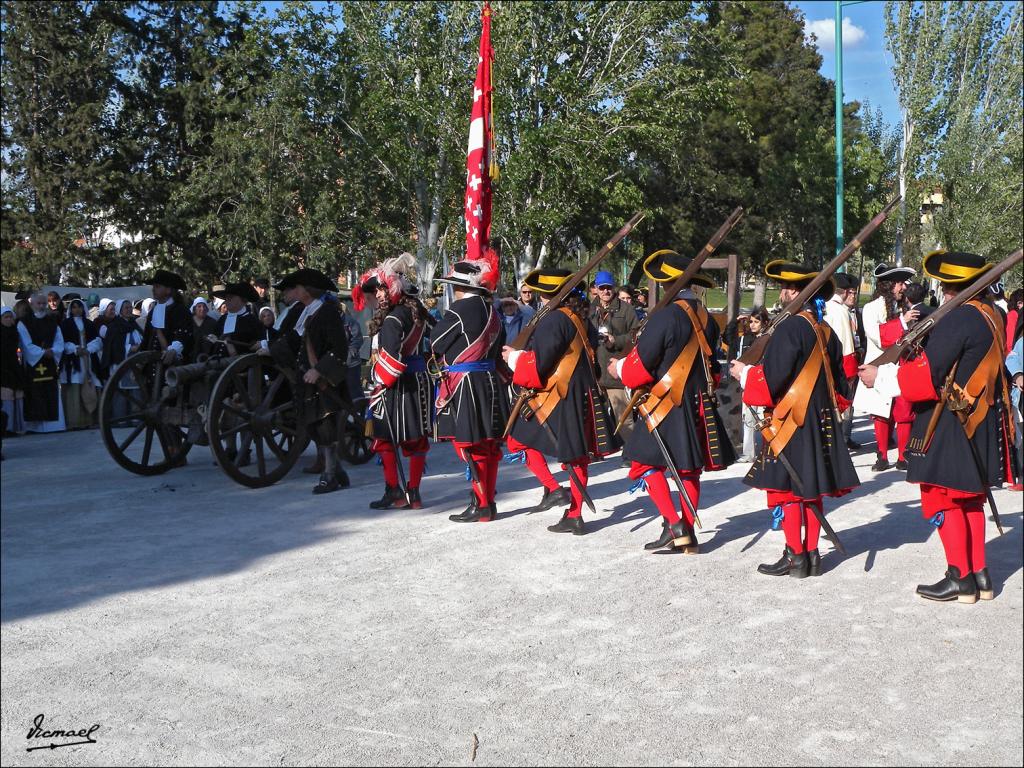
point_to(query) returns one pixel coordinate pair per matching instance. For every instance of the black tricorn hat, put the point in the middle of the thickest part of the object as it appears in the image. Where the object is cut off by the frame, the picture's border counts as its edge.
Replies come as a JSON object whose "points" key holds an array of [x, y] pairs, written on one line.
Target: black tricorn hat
{"points": [[666, 265], [893, 272], [799, 274], [170, 279], [844, 281], [547, 280], [954, 267], [244, 290], [310, 278]]}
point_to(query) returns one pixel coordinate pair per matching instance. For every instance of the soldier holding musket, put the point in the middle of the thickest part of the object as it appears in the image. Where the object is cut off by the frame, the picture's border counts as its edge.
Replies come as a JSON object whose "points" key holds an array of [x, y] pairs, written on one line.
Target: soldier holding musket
{"points": [[679, 421], [961, 443], [800, 382]]}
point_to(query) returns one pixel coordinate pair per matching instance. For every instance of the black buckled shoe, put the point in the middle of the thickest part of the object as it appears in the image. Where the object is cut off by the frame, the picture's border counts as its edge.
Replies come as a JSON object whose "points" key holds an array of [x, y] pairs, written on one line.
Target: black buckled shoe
{"points": [[663, 541], [953, 587], [984, 582], [415, 502], [393, 497], [327, 485], [852, 444], [474, 513], [559, 497], [573, 525], [793, 564], [813, 563], [901, 464], [881, 464]]}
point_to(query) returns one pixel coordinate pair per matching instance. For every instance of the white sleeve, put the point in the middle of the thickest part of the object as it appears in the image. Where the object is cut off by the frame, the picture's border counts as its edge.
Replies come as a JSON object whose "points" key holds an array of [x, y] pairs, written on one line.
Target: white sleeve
{"points": [[886, 383], [177, 347], [103, 332], [743, 377], [29, 350], [69, 348], [96, 345], [513, 358], [618, 368], [871, 326], [58, 346]]}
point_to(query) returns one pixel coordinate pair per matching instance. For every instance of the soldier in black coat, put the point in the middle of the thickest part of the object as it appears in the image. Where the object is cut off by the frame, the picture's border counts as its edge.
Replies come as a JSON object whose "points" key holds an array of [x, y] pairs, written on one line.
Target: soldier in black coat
{"points": [[317, 346], [472, 401], [681, 371], [401, 402], [565, 415], [168, 327], [237, 329], [957, 462], [800, 381]]}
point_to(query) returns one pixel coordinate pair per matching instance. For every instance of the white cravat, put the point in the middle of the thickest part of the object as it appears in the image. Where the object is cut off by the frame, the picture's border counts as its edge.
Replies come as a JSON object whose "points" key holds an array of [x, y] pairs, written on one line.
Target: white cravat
{"points": [[280, 318], [308, 312], [230, 318], [157, 314]]}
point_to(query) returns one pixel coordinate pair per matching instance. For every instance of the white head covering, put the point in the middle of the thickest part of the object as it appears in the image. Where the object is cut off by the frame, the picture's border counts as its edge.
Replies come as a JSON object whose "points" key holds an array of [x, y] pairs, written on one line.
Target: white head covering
{"points": [[117, 305], [147, 304], [268, 309], [104, 303], [5, 310], [199, 300], [217, 302]]}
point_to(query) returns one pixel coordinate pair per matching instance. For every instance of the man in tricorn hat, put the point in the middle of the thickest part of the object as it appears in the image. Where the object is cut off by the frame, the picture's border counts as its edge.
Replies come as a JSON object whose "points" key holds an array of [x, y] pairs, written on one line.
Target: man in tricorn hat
{"points": [[318, 347], [800, 382], [674, 356], [565, 416], [890, 283], [956, 461], [472, 401], [168, 326], [237, 329]]}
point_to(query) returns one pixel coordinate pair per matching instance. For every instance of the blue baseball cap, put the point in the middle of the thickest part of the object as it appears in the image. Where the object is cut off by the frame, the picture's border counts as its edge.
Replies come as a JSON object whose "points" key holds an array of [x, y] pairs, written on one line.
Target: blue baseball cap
{"points": [[604, 278]]}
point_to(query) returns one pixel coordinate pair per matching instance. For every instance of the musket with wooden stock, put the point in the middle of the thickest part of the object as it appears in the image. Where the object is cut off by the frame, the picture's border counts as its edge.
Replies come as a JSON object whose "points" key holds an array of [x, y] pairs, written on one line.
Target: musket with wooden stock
{"points": [[568, 286], [673, 290], [755, 351], [911, 340]]}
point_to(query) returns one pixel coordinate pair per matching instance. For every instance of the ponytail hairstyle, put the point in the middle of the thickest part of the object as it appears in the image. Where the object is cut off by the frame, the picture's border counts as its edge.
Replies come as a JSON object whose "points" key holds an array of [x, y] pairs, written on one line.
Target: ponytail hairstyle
{"points": [[883, 289]]}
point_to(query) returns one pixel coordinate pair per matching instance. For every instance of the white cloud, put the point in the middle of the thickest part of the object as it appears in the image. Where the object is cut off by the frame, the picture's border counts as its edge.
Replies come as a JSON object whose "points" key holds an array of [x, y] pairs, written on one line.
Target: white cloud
{"points": [[825, 31]]}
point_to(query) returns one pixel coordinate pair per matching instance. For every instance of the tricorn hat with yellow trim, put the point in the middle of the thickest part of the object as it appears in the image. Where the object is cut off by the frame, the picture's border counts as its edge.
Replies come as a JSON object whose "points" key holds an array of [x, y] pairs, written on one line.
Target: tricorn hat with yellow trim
{"points": [[783, 271], [665, 265], [547, 280], [956, 267]]}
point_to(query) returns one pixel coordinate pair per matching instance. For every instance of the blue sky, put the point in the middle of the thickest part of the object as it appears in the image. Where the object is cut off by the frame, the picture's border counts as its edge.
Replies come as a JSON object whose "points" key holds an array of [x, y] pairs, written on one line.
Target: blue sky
{"points": [[866, 63]]}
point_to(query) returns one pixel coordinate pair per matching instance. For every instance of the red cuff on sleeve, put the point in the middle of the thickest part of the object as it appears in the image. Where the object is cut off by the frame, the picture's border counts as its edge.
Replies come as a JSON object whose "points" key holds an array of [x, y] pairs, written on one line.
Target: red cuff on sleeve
{"points": [[849, 366], [891, 332], [526, 371], [717, 378], [915, 380], [633, 372], [842, 403], [756, 392], [387, 369]]}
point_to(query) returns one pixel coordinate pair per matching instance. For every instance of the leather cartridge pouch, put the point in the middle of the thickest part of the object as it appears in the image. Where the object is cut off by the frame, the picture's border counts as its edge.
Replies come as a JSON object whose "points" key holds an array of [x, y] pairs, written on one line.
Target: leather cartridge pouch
{"points": [[980, 390]]}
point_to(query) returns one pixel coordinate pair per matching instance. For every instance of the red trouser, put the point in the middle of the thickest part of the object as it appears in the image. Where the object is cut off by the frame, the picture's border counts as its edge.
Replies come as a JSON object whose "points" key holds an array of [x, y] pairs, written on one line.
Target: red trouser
{"points": [[485, 456], [415, 450], [658, 490], [580, 469], [800, 525], [535, 462], [883, 434], [961, 522]]}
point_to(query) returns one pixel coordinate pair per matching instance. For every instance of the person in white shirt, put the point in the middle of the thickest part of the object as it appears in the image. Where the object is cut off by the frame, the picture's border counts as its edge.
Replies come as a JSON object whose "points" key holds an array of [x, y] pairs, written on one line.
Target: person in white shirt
{"points": [[839, 315], [890, 283]]}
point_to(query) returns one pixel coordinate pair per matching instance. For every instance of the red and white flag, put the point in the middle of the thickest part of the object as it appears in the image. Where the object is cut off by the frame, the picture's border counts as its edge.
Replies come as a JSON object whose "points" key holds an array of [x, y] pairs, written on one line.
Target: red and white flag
{"points": [[479, 164]]}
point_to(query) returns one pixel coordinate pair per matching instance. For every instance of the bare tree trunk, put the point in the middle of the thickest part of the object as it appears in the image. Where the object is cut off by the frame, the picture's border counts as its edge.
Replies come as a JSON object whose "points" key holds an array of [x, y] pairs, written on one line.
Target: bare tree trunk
{"points": [[760, 286]]}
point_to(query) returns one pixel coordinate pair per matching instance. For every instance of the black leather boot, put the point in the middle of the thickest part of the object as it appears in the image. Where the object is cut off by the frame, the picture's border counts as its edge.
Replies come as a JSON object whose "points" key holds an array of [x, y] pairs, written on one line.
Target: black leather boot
{"points": [[573, 525], [393, 497], [662, 542], [415, 502], [813, 563], [556, 498], [953, 587], [901, 464], [341, 476], [984, 582], [793, 564], [327, 484], [475, 513], [881, 463]]}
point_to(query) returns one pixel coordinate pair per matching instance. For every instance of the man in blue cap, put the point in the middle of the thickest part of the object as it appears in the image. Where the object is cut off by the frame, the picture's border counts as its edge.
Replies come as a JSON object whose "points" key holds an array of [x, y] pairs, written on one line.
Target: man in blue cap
{"points": [[616, 322]]}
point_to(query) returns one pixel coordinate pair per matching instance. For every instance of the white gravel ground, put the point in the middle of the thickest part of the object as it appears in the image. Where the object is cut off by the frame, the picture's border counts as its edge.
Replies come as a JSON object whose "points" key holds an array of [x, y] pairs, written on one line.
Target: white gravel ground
{"points": [[198, 622]]}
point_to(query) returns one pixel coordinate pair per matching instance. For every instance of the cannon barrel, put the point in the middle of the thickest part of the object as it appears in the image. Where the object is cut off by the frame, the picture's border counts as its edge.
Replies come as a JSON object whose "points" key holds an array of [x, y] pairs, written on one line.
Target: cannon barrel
{"points": [[183, 374]]}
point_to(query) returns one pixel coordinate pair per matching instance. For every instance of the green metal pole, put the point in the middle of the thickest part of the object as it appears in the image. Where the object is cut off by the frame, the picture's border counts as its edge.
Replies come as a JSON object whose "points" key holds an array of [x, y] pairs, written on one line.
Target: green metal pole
{"points": [[839, 126]]}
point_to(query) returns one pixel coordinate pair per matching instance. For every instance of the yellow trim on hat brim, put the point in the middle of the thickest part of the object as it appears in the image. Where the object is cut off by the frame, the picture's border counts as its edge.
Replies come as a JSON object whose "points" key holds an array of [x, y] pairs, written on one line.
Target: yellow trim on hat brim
{"points": [[955, 274], [786, 277], [669, 273], [545, 283]]}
